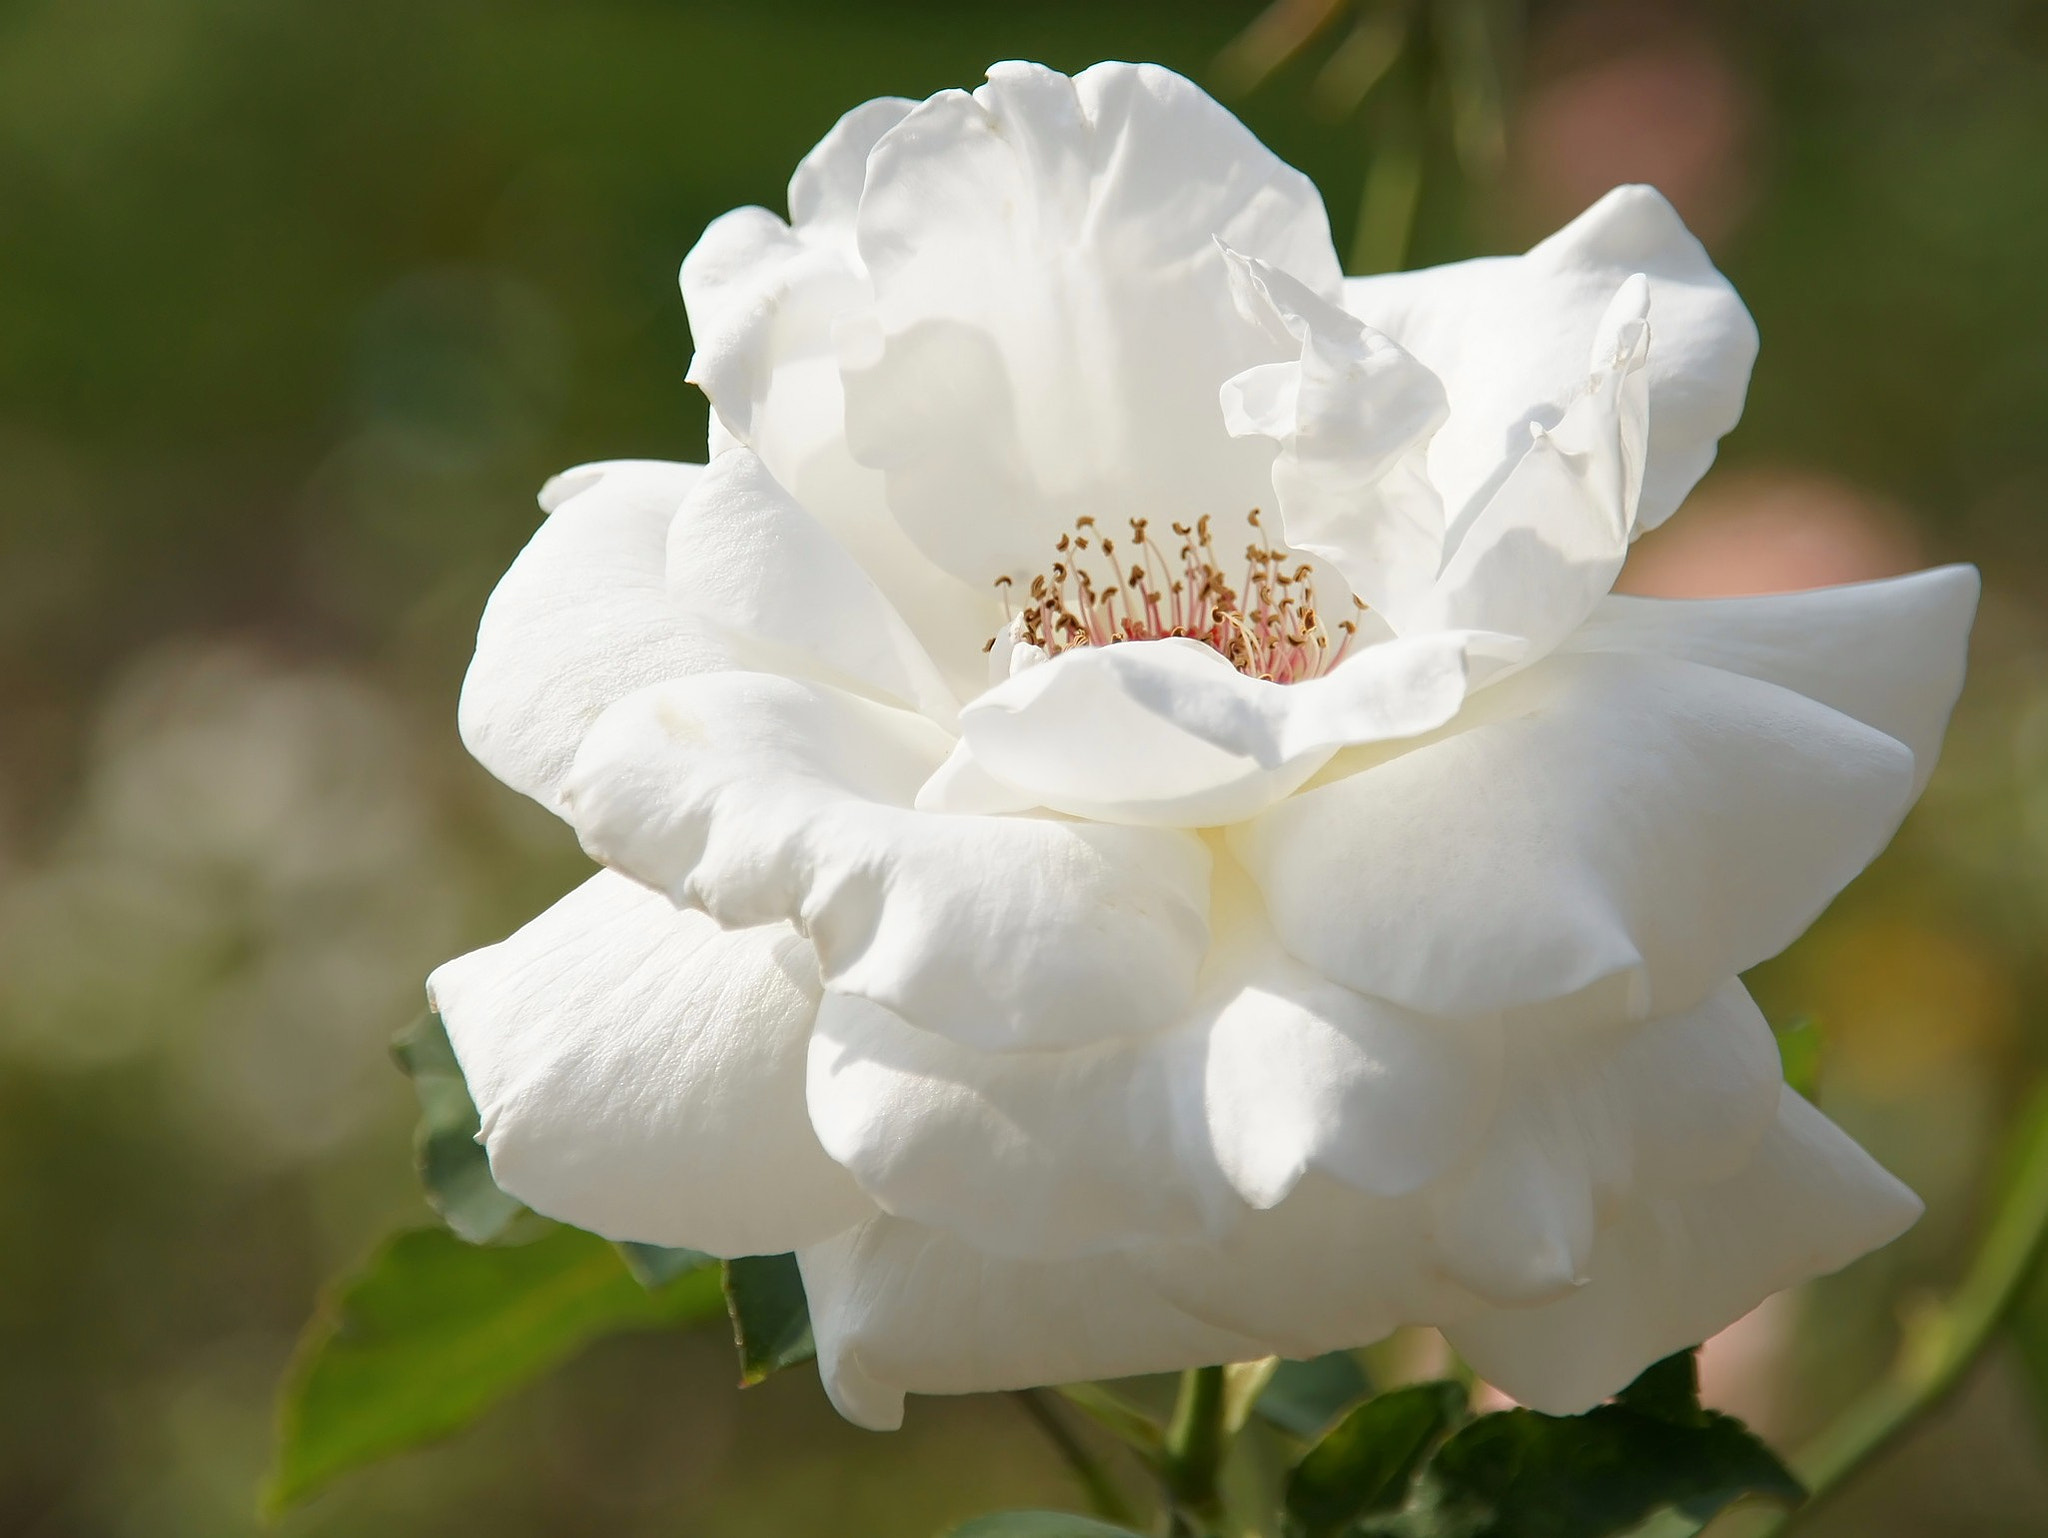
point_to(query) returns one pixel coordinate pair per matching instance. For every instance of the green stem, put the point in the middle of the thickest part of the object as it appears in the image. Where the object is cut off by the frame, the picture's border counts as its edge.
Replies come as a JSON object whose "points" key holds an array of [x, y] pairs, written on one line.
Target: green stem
{"points": [[1121, 1419], [1196, 1440], [1087, 1469], [1942, 1345]]}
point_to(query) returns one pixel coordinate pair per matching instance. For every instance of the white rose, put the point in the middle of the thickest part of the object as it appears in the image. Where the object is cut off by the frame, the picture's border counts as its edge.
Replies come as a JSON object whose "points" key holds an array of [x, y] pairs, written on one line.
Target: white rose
{"points": [[1082, 1004]]}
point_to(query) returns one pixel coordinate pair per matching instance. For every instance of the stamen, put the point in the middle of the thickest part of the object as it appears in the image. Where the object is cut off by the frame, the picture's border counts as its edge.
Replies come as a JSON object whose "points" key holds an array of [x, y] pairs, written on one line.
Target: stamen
{"points": [[1270, 629]]}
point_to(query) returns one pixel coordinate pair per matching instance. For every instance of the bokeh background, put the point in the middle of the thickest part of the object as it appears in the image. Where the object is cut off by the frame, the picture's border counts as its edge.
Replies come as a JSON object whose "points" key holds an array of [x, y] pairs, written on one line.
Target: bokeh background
{"points": [[300, 302]]}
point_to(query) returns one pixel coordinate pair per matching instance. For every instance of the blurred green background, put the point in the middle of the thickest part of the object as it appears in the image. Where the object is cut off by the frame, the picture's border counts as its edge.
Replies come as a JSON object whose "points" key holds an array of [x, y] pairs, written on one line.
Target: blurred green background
{"points": [[300, 302]]}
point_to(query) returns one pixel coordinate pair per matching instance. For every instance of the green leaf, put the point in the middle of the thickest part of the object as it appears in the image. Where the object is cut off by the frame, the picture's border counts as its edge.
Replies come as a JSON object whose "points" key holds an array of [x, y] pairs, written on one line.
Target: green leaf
{"points": [[655, 1265], [1668, 1390], [1365, 1466], [771, 1321], [453, 1168], [2029, 1331], [1800, 1050], [1037, 1524], [1519, 1474], [1304, 1397], [434, 1331]]}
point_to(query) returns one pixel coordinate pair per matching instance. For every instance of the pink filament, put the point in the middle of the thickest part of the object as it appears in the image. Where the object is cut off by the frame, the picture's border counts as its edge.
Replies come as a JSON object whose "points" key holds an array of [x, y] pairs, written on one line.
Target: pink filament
{"points": [[1270, 629]]}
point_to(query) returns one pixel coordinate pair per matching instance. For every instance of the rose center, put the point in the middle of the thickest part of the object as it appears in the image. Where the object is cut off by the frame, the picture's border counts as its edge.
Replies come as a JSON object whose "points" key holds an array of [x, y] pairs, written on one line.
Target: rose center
{"points": [[1268, 627]]}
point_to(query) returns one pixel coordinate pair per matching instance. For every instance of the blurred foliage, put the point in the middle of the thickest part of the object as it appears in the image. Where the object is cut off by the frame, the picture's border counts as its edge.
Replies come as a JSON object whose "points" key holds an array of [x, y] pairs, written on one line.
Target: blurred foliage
{"points": [[304, 301], [1429, 77], [436, 1328]]}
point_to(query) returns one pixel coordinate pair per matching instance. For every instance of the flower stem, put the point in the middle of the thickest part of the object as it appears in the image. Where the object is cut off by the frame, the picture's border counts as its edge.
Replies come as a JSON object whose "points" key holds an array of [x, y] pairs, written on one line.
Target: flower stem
{"points": [[1192, 1467], [1121, 1419], [1943, 1343], [1091, 1473]]}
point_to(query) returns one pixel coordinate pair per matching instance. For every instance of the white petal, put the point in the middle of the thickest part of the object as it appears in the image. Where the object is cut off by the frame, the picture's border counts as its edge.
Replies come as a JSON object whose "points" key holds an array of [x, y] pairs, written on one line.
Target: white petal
{"points": [[759, 297], [581, 619], [1547, 544], [1592, 1116], [1302, 1074], [1036, 1155], [897, 1307], [763, 299], [1169, 733], [1597, 816], [1889, 653], [1508, 335], [639, 1072], [1328, 1269], [759, 798], [743, 555], [762, 295], [1052, 318], [824, 194], [1352, 414], [1678, 1268]]}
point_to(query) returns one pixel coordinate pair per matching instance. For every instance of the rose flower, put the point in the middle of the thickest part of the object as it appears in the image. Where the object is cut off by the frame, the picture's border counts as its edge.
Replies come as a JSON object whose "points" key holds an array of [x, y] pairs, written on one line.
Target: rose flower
{"points": [[1135, 833]]}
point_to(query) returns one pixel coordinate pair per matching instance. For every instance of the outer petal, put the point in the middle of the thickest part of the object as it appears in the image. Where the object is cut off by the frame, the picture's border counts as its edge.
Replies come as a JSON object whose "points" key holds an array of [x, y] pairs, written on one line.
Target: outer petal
{"points": [[762, 295], [759, 798], [903, 1307], [1169, 733], [824, 194], [1678, 1268], [1352, 415], [1504, 333], [763, 299], [1592, 1117], [1328, 1269], [1037, 1155], [1889, 653], [1598, 816], [1546, 546], [1052, 316], [1583, 1121], [1302, 1075], [899, 1308], [640, 1073], [1049, 1155], [743, 555], [580, 620]]}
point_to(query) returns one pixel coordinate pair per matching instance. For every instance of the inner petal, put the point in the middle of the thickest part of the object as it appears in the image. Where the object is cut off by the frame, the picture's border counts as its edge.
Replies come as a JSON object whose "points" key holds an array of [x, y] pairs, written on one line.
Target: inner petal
{"points": [[1052, 316]]}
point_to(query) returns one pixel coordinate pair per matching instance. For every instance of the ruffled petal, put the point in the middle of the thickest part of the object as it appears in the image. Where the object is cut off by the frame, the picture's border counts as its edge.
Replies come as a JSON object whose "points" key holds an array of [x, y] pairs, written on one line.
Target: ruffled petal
{"points": [[824, 192], [1591, 1117], [758, 798], [1547, 544], [745, 557], [581, 619], [1352, 415], [1599, 816], [1052, 317], [1304, 1075], [639, 1072], [1170, 733], [1508, 336], [1036, 1155], [1889, 653], [1678, 1268], [1274, 1073], [762, 295], [898, 1307], [763, 299]]}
